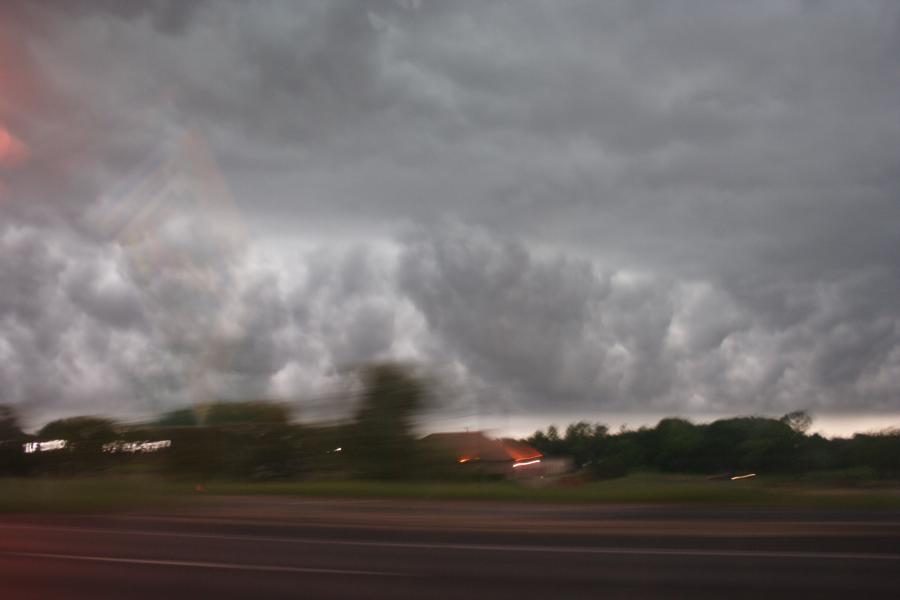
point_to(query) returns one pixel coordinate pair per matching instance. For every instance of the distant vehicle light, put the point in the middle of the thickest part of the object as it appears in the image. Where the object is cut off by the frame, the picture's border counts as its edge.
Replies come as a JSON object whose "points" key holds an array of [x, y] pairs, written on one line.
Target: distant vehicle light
{"points": [[526, 463]]}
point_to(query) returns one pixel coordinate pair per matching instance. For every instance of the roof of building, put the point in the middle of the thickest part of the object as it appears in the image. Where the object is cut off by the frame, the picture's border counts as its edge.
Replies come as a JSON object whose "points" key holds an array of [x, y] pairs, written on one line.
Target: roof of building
{"points": [[468, 446]]}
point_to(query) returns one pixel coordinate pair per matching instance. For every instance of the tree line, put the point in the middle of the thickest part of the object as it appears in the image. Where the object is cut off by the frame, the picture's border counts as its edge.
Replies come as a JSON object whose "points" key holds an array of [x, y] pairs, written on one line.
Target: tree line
{"points": [[259, 440], [241, 440], [726, 446]]}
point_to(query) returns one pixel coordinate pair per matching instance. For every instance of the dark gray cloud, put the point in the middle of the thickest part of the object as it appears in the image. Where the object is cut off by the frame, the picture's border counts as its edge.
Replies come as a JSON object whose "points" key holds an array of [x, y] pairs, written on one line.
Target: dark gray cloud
{"points": [[550, 327], [673, 207]]}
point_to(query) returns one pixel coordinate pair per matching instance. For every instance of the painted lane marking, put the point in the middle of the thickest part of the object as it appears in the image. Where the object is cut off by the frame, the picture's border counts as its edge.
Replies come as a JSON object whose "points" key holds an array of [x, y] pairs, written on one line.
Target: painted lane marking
{"points": [[204, 565], [604, 550]]}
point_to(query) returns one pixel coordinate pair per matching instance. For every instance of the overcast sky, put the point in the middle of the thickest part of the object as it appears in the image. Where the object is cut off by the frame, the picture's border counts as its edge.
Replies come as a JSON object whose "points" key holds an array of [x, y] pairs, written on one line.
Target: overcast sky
{"points": [[556, 208]]}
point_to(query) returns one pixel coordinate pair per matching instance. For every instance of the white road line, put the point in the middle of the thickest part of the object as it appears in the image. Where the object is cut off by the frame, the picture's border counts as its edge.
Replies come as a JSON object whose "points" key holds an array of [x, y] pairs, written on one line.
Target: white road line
{"points": [[604, 550], [204, 565]]}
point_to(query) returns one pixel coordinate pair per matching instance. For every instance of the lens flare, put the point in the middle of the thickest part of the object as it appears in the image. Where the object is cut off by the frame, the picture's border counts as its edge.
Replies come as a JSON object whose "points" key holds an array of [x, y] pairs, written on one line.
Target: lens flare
{"points": [[13, 152]]}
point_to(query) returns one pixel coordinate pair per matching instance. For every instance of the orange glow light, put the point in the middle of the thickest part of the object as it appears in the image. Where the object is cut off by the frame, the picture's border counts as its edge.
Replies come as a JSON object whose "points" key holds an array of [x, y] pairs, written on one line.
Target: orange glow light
{"points": [[13, 151]]}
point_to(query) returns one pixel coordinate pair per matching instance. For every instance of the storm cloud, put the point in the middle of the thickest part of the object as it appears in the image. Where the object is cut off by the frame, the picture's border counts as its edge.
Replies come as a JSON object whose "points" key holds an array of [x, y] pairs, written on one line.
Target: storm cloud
{"points": [[684, 208]]}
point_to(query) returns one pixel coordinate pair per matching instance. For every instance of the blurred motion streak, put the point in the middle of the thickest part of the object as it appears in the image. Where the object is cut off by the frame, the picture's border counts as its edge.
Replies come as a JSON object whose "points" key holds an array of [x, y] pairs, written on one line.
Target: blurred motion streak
{"points": [[32, 447], [132, 447]]}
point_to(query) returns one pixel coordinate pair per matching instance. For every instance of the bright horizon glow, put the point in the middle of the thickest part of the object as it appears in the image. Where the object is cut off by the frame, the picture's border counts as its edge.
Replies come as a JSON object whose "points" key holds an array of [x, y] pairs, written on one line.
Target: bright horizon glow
{"points": [[522, 426]]}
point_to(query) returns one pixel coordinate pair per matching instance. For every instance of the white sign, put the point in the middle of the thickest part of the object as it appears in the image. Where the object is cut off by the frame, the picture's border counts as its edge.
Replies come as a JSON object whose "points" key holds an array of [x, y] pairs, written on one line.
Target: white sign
{"points": [[134, 447], [32, 447]]}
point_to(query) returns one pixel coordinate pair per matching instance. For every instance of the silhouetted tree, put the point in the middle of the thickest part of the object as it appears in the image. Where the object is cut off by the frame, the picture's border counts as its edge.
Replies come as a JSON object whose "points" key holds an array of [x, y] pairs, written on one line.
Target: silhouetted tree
{"points": [[585, 442], [549, 443], [11, 435], [247, 439], [258, 411], [382, 444], [182, 417], [9, 424], [797, 420], [79, 429], [680, 445], [85, 437]]}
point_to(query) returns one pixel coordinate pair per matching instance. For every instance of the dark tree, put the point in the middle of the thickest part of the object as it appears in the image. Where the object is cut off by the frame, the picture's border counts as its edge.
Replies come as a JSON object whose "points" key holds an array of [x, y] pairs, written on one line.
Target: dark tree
{"points": [[382, 444], [680, 445], [182, 417], [11, 436], [259, 411], [85, 437], [549, 443], [585, 442], [9, 424], [79, 429], [797, 420]]}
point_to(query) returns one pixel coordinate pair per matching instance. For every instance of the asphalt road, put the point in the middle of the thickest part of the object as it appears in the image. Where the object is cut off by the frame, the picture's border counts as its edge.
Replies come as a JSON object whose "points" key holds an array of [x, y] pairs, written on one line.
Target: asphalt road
{"points": [[289, 548]]}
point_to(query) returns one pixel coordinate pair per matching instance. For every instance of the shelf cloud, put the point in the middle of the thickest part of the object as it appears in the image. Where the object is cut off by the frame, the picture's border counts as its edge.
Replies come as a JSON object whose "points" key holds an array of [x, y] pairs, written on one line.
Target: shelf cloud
{"points": [[684, 208]]}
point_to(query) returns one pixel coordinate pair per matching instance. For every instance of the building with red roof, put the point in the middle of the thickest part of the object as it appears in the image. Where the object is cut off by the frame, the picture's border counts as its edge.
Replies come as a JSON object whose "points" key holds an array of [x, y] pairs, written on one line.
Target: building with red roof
{"points": [[476, 450]]}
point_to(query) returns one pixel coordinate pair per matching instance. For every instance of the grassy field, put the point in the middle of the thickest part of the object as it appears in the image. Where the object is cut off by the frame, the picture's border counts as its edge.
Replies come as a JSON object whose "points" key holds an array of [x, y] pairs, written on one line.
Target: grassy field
{"points": [[130, 493], [85, 494], [637, 488]]}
